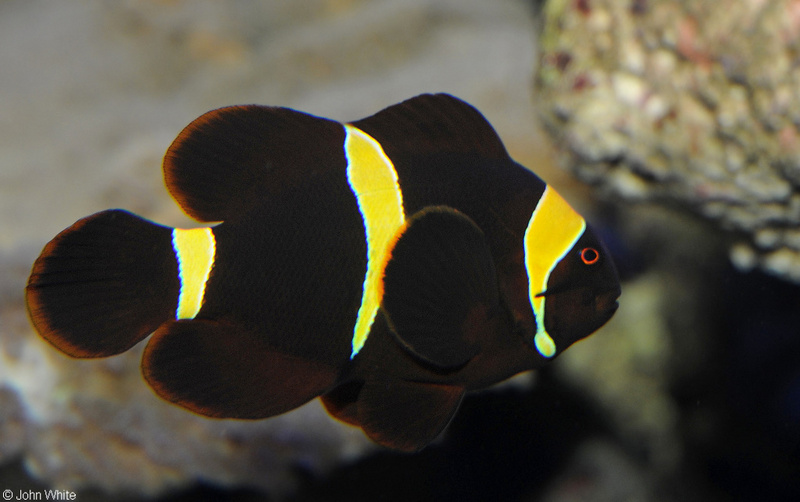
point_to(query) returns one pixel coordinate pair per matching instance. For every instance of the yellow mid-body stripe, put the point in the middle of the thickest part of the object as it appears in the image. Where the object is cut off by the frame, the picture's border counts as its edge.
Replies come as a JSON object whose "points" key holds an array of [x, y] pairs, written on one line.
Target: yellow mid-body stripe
{"points": [[195, 249], [552, 231], [373, 180]]}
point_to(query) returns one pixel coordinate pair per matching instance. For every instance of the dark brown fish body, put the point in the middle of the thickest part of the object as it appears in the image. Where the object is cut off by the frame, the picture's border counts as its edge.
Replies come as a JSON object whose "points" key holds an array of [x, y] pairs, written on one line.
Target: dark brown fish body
{"points": [[388, 265]]}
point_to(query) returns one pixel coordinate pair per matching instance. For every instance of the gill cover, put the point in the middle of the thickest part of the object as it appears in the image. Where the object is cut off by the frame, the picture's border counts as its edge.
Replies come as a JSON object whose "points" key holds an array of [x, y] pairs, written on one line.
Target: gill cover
{"points": [[553, 230]]}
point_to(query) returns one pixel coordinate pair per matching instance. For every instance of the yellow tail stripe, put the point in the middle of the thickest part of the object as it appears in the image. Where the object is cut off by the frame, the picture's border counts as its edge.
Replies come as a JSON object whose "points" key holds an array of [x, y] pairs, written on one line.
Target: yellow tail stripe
{"points": [[552, 231], [373, 180], [195, 249]]}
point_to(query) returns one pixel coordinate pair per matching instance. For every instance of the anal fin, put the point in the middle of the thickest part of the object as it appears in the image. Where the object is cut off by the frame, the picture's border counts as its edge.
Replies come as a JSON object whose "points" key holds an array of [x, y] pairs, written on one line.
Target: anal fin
{"points": [[225, 371]]}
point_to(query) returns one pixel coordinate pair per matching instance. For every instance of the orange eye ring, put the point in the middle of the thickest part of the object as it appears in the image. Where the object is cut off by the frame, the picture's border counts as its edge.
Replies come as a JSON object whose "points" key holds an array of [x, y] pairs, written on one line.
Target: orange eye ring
{"points": [[590, 256]]}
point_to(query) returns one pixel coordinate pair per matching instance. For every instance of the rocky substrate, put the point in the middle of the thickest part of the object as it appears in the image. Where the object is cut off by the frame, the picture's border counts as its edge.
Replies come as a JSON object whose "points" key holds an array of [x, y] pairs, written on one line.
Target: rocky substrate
{"points": [[685, 102]]}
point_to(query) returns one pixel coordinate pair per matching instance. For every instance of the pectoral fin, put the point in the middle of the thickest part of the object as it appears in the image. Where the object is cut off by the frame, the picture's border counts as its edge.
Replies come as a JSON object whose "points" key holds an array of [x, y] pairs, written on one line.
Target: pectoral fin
{"points": [[439, 283]]}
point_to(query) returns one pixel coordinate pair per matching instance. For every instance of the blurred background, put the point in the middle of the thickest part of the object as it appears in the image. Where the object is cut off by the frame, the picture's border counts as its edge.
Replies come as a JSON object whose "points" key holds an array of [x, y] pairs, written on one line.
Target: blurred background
{"points": [[671, 127]]}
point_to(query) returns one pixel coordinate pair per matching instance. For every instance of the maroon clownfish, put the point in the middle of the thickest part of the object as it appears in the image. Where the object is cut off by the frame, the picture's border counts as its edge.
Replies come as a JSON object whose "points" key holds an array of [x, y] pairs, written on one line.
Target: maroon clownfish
{"points": [[388, 265]]}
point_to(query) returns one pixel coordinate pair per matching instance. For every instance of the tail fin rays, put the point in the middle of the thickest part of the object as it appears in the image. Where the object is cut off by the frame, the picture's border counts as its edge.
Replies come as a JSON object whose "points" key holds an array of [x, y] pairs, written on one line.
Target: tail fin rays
{"points": [[104, 284]]}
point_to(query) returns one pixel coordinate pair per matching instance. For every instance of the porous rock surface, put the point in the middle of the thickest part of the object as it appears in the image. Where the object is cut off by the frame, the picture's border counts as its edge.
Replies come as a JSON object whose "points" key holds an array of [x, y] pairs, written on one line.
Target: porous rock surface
{"points": [[695, 103]]}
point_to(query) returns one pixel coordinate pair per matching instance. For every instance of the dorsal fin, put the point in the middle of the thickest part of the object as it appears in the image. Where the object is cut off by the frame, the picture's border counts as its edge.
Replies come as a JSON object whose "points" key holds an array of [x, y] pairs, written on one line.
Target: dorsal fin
{"points": [[228, 159], [433, 123]]}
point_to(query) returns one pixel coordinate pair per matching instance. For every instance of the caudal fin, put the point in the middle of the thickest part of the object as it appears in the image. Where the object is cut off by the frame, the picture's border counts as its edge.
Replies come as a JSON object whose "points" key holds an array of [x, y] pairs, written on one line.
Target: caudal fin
{"points": [[104, 284]]}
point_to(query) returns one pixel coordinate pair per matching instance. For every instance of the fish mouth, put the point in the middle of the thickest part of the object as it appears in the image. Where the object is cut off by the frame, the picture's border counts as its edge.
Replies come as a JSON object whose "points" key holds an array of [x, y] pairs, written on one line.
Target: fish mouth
{"points": [[608, 301]]}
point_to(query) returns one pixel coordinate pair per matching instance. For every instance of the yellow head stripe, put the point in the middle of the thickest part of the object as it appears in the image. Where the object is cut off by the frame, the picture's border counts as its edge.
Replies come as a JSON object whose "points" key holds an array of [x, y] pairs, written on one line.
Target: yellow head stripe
{"points": [[194, 249], [374, 182], [552, 231]]}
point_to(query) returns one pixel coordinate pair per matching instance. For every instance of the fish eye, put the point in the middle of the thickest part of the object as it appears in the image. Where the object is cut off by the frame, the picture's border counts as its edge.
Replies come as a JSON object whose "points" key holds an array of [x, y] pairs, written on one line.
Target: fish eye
{"points": [[590, 256]]}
